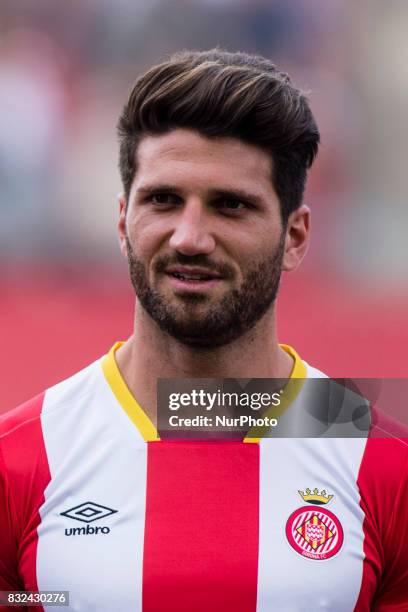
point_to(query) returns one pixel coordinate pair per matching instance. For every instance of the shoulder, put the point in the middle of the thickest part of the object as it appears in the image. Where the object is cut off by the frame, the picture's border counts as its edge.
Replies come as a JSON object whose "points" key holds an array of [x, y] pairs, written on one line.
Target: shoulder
{"points": [[23, 414], [22, 438], [385, 426], [313, 372], [24, 464], [385, 459], [26, 416]]}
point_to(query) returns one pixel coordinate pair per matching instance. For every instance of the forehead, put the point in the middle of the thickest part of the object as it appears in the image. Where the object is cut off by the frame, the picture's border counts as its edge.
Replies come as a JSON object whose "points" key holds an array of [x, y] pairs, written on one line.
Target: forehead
{"points": [[184, 154]]}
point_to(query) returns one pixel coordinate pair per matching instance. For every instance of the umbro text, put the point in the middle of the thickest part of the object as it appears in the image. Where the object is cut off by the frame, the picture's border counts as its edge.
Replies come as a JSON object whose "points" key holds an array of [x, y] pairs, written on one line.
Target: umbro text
{"points": [[88, 530]]}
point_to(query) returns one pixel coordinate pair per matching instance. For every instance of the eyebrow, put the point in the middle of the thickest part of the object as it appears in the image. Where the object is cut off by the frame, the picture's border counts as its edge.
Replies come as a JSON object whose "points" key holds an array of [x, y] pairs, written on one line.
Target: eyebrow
{"points": [[159, 187], [227, 192]]}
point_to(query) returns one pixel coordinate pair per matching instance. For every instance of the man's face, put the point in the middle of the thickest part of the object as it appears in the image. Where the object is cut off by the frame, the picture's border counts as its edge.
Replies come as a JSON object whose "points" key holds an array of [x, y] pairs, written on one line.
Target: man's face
{"points": [[203, 236]]}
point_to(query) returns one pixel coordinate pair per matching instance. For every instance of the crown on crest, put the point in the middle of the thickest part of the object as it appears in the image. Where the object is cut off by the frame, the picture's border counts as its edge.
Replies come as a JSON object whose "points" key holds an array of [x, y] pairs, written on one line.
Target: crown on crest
{"points": [[315, 497]]}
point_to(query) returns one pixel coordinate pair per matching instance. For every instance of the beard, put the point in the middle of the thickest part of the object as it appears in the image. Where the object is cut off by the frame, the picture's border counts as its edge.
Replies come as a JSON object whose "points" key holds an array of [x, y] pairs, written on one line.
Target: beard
{"points": [[221, 323]]}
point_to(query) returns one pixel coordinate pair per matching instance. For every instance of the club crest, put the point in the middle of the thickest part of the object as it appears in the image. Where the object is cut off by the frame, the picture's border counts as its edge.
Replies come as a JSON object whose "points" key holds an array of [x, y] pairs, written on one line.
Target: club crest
{"points": [[313, 531]]}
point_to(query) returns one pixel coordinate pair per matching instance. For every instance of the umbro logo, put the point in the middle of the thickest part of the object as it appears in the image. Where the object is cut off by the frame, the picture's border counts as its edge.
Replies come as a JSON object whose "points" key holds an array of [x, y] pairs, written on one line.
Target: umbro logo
{"points": [[87, 512]]}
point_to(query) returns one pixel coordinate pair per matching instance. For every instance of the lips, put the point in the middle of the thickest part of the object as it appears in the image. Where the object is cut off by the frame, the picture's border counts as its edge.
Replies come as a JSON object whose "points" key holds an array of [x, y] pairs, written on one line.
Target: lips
{"points": [[192, 274], [187, 280], [197, 277]]}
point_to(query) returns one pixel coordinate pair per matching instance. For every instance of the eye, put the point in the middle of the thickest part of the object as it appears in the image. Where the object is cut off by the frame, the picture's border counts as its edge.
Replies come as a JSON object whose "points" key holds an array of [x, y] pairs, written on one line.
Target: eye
{"points": [[163, 199], [231, 204]]}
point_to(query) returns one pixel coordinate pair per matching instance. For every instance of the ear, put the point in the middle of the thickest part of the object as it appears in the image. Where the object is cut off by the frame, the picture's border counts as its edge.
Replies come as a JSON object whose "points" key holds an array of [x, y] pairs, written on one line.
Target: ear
{"points": [[297, 238], [122, 224]]}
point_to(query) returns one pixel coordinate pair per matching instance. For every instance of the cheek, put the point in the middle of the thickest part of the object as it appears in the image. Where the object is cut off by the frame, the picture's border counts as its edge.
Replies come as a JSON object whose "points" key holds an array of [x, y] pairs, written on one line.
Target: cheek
{"points": [[252, 246], [146, 236], [261, 257]]}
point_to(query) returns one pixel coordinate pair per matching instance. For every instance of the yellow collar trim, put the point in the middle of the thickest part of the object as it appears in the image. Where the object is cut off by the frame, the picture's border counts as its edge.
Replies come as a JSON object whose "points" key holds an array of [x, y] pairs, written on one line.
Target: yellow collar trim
{"points": [[145, 426], [125, 398]]}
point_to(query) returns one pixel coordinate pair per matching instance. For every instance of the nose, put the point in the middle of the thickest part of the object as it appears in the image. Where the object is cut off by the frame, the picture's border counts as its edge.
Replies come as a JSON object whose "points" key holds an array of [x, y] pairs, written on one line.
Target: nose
{"points": [[192, 235]]}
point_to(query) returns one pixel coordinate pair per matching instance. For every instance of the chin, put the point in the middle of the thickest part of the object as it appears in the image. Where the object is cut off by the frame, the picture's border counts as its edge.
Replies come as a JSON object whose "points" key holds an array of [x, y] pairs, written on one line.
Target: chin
{"points": [[203, 343]]}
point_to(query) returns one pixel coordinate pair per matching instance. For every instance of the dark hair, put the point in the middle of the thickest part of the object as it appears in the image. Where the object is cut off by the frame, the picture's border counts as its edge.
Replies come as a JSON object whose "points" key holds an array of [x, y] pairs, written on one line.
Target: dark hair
{"points": [[219, 93]]}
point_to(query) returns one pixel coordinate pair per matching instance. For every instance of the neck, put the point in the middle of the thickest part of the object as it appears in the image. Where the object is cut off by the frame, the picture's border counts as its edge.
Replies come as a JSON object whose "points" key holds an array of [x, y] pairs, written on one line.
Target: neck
{"points": [[150, 354]]}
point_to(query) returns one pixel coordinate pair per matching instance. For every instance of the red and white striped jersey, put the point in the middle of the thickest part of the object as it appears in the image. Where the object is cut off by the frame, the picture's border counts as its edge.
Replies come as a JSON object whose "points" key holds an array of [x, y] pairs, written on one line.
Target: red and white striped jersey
{"points": [[92, 502]]}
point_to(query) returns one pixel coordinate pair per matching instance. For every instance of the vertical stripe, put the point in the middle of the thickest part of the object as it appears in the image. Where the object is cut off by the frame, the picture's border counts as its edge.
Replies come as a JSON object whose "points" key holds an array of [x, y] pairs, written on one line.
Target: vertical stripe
{"points": [[95, 455], [28, 472], [288, 581], [201, 534], [381, 481]]}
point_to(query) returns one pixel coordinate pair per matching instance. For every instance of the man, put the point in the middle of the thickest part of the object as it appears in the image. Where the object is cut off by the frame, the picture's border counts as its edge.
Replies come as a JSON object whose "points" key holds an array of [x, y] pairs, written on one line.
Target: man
{"points": [[214, 150]]}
